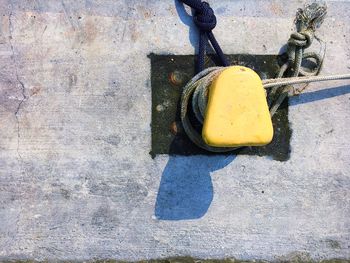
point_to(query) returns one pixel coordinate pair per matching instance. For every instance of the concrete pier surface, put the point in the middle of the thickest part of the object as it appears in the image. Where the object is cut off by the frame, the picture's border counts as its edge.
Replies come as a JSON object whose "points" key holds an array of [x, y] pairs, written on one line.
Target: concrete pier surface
{"points": [[77, 181]]}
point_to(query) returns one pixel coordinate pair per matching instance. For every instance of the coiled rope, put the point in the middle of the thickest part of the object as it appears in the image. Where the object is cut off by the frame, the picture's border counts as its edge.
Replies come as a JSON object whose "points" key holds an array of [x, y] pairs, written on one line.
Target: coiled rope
{"points": [[307, 21], [198, 88]]}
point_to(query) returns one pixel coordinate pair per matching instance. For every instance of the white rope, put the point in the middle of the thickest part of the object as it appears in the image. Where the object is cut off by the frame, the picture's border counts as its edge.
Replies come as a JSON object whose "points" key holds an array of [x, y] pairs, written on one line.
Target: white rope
{"points": [[268, 83], [201, 83]]}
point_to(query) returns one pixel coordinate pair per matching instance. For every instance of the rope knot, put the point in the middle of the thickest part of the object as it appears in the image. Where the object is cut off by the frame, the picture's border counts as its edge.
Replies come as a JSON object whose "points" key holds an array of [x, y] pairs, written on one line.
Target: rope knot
{"points": [[307, 20], [312, 16], [205, 18], [302, 39]]}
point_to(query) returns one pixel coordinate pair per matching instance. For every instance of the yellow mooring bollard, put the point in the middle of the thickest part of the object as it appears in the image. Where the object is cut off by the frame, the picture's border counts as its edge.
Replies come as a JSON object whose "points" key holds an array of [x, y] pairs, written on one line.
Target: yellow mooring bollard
{"points": [[237, 113]]}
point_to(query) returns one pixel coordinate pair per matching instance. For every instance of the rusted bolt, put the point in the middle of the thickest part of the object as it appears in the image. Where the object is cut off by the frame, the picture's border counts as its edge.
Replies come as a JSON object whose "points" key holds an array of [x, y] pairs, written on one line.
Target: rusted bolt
{"points": [[160, 108], [177, 78], [175, 128]]}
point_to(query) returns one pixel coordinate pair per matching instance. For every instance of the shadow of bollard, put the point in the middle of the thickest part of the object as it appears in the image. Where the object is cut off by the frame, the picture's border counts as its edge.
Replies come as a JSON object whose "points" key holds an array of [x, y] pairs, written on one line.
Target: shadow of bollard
{"points": [[186, 189]]}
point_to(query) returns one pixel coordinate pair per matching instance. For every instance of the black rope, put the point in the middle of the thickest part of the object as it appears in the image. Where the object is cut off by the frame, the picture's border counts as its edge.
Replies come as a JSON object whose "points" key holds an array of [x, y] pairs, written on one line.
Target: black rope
{"points": [[205, 20]]}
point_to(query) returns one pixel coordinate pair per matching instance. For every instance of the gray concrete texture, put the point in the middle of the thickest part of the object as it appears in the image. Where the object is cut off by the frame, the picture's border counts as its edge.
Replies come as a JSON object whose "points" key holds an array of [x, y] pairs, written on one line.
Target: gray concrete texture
{"points": [[76, 178]]}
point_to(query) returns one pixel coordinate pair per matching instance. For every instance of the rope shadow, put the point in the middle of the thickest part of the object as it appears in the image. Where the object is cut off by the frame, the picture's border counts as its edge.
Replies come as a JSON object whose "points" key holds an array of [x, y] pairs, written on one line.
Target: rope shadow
{"points": [[188, 21], [319, 95], [186, 190]]}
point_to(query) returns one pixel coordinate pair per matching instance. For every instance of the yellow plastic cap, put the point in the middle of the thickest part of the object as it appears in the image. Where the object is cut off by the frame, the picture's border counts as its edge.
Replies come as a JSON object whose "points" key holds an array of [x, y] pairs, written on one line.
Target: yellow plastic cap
{"points": [[237, 113]]}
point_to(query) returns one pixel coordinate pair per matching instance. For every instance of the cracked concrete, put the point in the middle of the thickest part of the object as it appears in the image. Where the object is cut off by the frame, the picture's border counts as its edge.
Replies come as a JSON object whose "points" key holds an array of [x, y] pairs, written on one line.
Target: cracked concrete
{"points": [[76, 178], [22, 88]]}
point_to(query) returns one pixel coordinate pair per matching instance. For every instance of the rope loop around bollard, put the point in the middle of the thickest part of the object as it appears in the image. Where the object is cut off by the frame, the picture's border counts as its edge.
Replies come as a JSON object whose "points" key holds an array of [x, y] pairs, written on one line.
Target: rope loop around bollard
{"points": [[307, 21], [203, 81]]}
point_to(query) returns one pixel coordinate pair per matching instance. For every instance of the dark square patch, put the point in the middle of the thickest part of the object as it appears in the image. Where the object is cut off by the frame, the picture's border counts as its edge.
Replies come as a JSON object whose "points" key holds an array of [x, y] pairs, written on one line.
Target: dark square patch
{"points": [[168, 136]]}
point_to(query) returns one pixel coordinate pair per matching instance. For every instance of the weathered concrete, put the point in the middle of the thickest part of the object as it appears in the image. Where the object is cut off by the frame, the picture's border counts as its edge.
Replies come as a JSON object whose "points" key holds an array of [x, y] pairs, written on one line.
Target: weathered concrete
{"points": [[76, 178]]}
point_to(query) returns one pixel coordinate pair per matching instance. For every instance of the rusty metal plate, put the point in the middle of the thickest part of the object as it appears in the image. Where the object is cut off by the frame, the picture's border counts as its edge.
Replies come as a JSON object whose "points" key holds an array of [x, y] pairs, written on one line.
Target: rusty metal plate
{"points": [[169, 73]]}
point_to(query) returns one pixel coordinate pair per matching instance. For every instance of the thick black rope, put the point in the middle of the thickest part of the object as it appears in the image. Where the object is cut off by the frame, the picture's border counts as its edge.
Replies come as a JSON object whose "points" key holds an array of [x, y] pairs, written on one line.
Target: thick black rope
{"points": [[205, 20]]}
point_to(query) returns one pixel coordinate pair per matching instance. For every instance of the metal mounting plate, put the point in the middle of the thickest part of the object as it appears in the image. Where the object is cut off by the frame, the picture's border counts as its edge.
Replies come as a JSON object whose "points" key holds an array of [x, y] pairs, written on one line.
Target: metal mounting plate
{"points": [[168, 136]]}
